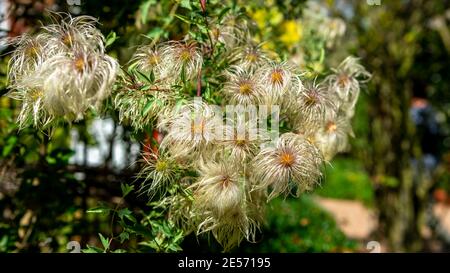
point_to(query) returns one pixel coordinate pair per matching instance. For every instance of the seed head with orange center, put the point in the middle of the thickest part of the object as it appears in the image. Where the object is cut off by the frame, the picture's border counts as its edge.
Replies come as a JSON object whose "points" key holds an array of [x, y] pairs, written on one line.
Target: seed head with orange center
{"points": [[241, 87], [293, 163]]}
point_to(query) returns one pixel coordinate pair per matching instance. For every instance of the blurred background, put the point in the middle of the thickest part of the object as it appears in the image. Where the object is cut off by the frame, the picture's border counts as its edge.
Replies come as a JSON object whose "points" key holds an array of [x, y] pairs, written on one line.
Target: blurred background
{"points": [[389, 192]]}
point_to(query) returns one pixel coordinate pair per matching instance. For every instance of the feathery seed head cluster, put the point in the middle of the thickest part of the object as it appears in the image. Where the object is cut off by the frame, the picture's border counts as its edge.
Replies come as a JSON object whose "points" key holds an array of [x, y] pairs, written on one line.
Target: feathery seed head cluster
{"points": [[150, 91], [214, 172], [240, 164], [61, 71], [316, 19]]}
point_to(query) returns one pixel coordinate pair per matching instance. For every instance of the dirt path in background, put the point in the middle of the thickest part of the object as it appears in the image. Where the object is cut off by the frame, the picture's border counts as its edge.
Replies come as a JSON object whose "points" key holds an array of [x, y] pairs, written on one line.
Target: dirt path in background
{"points": [[352, 217], [358, 222]]}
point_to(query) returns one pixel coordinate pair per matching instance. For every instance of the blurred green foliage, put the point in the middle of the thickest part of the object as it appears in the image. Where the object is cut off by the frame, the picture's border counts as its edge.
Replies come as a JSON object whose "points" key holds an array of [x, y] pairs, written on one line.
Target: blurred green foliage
{"points": [[300, 225], [346, 178]]}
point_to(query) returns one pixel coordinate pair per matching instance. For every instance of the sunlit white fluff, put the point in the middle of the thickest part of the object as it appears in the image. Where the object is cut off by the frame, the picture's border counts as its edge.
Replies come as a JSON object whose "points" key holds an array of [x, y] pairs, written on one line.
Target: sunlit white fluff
{"points": [[249, 56], [77, 81], [230, 229], [74, 32], [230, 32], [182, 59], [292, 163], [242, 87], [276, 79], [158, 173], [345, 81], [314, 102], [193, 130], [332, 138], [61, 71], [331, 29], [317, 20], [33, 111], [29, 53], [149, 59], [218, 188], [244, 142]]}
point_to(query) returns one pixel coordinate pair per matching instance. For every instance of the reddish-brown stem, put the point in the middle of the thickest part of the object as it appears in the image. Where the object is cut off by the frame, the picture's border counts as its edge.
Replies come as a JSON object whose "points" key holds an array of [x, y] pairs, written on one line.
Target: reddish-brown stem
{"points": [[203, 5]]}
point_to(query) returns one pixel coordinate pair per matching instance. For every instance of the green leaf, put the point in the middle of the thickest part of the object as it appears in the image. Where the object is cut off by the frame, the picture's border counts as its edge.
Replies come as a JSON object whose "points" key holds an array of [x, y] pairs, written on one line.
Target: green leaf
{"points": [[105, 241], [123, 212], [124, 236], [111, 38], [126, 213], [223, 13], [50, 160], [143, 77], [155, 33], [152, 76], [178, 237], [183, 18], [150, 244], [322, 55], [183, 73], [3, 243], [140, 230], [186, 4], [144, 8], [92, 249], [126, 189], [132, 67], [145, 88], [10, 144], [203, 29], [99, 210], [148, 107]]}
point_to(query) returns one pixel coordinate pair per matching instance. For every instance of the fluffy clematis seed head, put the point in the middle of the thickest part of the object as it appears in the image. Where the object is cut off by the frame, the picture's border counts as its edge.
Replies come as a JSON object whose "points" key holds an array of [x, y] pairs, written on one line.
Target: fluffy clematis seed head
{"points": [[73, 32], [332, 138], [150, 59], [158, 173], [74, 83], [61, 71], [315, 102], [345, 82], [277, 80], [242, 87], [182, 59], [293, 163], [29, 53], [243, 143], [192, 130], [250, 56], [218, 188]]}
